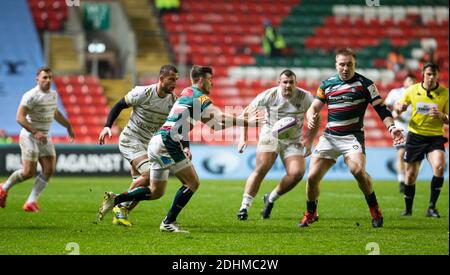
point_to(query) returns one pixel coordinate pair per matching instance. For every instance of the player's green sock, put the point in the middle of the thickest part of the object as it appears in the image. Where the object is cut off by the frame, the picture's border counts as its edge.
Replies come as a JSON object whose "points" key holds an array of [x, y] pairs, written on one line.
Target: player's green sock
{"points": [[136, 194], [182, 197]]}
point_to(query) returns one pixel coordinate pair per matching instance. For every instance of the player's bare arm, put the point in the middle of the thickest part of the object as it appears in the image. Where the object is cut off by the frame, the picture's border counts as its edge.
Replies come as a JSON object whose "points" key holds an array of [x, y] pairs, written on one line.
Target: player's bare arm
{"points": [[59, 117], [244, 131], [112, 116], [218, 120], [21, 118], [313, 114], [308, 139]]}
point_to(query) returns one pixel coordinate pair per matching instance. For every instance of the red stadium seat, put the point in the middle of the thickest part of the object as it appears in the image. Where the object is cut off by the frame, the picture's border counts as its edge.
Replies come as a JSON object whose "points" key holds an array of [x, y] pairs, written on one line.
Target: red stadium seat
{"points": [[48, 14], [54, 25]]}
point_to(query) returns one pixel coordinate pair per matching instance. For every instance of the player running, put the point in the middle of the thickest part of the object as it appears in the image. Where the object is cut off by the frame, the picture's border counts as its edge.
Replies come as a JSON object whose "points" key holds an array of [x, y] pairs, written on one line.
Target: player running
{"points": [[347, 95], [36, 112], [167, 149], [151, 105], [285, 100]]}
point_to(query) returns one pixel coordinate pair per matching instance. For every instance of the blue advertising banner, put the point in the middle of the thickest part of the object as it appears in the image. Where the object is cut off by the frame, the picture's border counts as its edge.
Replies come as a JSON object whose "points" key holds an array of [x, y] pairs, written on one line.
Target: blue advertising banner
{"points": [[211, 162], [224, 162]]}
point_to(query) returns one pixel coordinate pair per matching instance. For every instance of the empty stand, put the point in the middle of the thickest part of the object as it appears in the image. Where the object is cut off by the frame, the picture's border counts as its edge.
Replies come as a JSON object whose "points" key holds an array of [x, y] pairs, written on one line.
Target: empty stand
{"points": [[86, 106], [227, 35], [48, 14], [20, 57]]}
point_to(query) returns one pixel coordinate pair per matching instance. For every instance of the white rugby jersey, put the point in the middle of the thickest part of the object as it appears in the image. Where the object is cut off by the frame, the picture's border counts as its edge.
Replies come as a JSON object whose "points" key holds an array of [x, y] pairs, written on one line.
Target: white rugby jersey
{"points": [[149, 111], [393, 97], [278, 107], [42, 107]]}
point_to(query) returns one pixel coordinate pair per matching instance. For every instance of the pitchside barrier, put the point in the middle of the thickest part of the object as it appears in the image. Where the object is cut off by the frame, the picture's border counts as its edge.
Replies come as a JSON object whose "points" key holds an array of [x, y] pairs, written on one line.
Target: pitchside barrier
{"points": [[211, 162]]}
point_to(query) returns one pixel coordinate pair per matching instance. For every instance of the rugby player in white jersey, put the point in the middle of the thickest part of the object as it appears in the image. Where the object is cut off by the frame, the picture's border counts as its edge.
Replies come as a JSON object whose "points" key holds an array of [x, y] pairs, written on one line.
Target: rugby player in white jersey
{"points": [[151, 105], [166, 149], [35, 114], [284, 100], [401, 122]]}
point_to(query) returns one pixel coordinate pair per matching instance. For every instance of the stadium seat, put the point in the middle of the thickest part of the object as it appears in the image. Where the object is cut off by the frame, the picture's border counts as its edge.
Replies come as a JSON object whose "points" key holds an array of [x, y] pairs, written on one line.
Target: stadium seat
{"points": [[83, 99], [268, 73], [398, 13], [387, 76], [340, 11], [299, 72], [356, 11], [441, 14], [313, 31], [49, 14], [313, 75]]}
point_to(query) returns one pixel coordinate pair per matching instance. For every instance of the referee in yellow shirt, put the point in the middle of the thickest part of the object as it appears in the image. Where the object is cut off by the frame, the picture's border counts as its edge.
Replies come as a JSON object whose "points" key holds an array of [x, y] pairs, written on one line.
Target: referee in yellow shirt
{"points": [[429, 103]]}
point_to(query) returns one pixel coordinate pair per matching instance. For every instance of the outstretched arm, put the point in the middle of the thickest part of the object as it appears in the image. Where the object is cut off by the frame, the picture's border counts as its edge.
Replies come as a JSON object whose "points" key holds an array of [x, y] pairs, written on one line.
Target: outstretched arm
{"points": [[218, 120], [59, 117], [244, 132]]}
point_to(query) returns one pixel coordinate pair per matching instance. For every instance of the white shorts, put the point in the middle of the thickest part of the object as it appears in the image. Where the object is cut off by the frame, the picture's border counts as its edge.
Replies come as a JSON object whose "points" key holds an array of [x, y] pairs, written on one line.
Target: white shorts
{"points": [[161, 159], [134, 148], [285, 148], [32, 149], [331, 146], [159, 174], [131, 148]]}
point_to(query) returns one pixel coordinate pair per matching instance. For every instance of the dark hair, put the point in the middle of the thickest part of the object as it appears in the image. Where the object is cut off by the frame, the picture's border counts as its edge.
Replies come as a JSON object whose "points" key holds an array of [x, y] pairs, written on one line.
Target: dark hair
{"points": [[165, 69], [43, 69], [347, 51], [434, 67], [199, 71], [288, 73]]}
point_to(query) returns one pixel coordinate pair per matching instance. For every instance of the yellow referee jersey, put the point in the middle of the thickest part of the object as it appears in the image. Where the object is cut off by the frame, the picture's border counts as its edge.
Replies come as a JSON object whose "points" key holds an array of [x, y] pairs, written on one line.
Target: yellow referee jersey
{"points": [[421, 122]]}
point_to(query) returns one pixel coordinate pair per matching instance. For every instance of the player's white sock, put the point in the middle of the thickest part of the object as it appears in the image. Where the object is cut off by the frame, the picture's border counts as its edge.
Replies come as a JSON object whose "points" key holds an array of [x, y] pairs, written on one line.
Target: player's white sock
{"points": [[401, 177], [15, 178], [39, 185], [247, 201], [273, 196]]}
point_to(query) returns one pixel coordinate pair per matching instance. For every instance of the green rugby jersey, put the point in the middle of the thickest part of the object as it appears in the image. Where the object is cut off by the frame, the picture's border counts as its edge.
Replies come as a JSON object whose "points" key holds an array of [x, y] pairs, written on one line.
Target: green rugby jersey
{"points": [[347, 103], [186, 111]]}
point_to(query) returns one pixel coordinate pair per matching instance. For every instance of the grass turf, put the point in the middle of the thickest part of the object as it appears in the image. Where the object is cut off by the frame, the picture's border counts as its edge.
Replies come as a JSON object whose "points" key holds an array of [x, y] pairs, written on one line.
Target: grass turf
{"points": [[69, 208]]}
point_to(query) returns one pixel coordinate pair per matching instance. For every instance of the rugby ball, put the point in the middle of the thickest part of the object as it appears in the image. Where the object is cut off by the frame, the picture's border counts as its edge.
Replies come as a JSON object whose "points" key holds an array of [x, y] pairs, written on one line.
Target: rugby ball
{"points": [[284, 128]]}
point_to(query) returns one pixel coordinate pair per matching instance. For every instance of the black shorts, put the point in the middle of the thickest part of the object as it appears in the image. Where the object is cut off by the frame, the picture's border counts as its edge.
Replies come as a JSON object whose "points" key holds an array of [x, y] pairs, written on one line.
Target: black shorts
{"points": [[418, 146]]}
